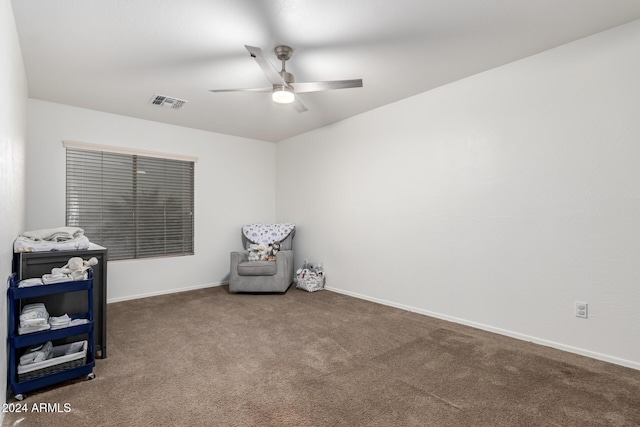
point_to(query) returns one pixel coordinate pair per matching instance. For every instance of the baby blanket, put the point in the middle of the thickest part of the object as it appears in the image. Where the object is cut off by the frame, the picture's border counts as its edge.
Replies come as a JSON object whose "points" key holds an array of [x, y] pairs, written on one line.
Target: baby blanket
{"points": [[267, 233], [24, 244], [59, 234]]}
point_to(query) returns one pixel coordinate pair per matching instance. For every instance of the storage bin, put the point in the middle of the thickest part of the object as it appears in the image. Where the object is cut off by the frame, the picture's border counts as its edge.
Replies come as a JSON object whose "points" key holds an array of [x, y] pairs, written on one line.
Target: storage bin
{"points": [[310, 283], [65, 357]]}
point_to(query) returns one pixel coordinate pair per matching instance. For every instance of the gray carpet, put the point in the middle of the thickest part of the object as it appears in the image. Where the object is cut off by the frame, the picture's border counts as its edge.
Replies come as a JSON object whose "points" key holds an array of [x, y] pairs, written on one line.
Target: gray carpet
{"points": [[211, 358]]}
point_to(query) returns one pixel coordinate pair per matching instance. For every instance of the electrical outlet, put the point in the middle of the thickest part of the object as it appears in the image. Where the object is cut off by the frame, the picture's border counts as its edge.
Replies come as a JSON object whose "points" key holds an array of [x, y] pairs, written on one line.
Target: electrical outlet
{"points": [[582, 309]]}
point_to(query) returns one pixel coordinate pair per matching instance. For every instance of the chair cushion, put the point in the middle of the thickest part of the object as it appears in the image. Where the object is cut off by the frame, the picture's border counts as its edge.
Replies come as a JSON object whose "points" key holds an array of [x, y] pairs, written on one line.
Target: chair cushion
{"points": [[257, 268]]}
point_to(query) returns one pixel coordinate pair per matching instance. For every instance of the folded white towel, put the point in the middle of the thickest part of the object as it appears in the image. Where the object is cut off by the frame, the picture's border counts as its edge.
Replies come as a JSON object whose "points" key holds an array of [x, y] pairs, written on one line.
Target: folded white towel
{"points": [[60, 320], [30, 282], [74, 322], [49, 279]]}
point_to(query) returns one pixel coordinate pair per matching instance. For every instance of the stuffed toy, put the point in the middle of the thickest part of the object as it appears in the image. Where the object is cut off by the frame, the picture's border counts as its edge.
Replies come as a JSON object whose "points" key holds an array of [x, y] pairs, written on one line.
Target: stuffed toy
{"points": [[275, 248], [76, 267], [258, 252]]}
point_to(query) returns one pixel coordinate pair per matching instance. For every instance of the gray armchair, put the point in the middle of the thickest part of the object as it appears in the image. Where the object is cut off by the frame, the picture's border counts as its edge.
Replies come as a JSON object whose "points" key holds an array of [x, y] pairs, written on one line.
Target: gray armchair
{"points": [[262, 276]]}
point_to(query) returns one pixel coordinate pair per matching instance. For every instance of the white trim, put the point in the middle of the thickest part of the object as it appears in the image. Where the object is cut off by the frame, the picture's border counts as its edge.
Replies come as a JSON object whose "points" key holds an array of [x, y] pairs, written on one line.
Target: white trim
{"points": [[523, 337], [124, 150], [165, 292]]}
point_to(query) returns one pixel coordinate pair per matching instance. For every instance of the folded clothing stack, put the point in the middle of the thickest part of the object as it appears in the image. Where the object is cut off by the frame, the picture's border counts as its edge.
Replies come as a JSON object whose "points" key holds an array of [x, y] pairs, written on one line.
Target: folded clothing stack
{"points": [[38, 353], [65, 321], [34, 318], [59, 322]]}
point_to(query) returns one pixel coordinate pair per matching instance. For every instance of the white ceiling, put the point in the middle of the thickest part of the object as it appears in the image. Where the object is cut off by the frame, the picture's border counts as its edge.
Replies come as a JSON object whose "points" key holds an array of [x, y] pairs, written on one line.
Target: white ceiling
{"points": [[114, 55]]}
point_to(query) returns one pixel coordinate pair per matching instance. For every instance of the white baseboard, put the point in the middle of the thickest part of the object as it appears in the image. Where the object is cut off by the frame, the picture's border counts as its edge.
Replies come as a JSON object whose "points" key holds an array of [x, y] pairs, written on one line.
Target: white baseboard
{"points": [[165, 292], [523, 337]]}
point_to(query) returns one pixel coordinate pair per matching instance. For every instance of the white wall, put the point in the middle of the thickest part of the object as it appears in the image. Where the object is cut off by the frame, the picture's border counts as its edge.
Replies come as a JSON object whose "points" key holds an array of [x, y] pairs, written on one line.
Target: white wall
{"points": [[13, 86], [234, 184], [496, 201]]}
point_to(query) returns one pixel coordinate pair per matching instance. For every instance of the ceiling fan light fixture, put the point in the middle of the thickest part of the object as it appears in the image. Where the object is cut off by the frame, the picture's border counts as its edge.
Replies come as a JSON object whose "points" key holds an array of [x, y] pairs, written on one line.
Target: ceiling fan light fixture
{"points": [[282, 94]]}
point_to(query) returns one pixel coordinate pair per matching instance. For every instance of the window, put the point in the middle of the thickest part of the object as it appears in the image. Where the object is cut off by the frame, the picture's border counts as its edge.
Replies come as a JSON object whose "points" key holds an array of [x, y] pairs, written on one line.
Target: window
{"points": [[136, 206]]}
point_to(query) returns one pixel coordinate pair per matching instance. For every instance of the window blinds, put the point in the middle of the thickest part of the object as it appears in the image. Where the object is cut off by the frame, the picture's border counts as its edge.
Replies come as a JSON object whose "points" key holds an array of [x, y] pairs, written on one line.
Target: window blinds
{"points": [[136, 206]]}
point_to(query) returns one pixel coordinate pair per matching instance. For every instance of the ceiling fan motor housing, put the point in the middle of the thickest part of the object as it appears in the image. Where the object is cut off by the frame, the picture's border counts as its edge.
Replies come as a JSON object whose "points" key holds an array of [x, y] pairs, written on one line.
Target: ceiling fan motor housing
{"points": [[283, 53]]}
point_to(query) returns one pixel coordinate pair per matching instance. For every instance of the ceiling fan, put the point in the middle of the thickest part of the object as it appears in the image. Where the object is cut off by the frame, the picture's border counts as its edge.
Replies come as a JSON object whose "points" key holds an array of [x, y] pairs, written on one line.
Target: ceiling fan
{"points": [[284, 88]]}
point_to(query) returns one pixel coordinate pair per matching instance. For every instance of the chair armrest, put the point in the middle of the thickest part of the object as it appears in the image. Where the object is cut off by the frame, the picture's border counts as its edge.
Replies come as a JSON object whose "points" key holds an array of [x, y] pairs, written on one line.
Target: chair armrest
{"points": [[285, 254], [239, 256], [284, 263]]}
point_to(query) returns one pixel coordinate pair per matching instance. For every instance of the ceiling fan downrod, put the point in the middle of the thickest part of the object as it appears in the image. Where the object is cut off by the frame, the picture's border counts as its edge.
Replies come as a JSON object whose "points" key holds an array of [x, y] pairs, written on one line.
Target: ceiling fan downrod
{"points": [[283, 53]]}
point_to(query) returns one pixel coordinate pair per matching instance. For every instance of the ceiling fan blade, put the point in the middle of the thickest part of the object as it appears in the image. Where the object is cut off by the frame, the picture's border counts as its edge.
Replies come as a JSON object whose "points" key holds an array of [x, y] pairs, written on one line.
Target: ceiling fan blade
{"points": [[299, 105], [267, 67], [258, 89], [329, 85]]}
